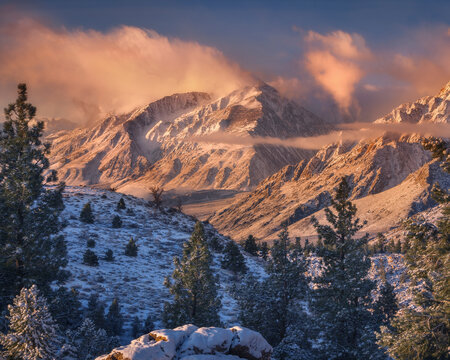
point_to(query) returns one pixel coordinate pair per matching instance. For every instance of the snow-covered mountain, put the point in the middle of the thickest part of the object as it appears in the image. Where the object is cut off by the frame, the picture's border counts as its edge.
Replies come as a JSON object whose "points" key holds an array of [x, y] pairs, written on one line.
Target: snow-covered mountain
{"points": [[390, 176], [155, 145], [137, 282]]}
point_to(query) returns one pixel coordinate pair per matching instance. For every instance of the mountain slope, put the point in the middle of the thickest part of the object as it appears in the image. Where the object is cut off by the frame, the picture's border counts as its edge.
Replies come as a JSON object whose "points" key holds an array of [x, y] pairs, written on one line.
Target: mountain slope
{"points": [[390, 178], [137, 282], [155, 145]]}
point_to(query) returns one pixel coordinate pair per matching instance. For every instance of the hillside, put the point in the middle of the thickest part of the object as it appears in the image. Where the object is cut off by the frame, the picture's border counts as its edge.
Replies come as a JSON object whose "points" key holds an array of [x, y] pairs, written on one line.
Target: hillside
{"points": [[391, 177], [155, 145], [136, 282]]}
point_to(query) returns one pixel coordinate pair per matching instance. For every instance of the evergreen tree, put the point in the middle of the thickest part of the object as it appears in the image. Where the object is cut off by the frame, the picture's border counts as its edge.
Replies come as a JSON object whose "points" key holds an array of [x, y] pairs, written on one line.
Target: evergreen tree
{"points": [[90, 243], [194, 286], [114, 319], [90, 258], [109, 255], [250, 245], [233, 259], [386, 305], [121, 204], [422, 331], [116, 222], [131, 249], [342, 297], [32, 331], [380, 244], [87, 342], [86, 214], [272, 306], [136, 328], [148, 325], [31, 252], [264, 250], [65, 308], [96, 312]]}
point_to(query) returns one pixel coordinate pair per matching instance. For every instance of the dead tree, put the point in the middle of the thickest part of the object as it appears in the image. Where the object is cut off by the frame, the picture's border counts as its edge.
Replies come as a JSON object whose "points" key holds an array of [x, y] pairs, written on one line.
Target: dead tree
{"points": [[157, 195]]}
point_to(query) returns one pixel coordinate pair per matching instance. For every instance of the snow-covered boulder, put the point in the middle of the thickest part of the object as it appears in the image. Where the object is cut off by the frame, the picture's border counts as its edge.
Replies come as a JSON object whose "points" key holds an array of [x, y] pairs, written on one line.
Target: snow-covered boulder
{"points": [[191, 343]]}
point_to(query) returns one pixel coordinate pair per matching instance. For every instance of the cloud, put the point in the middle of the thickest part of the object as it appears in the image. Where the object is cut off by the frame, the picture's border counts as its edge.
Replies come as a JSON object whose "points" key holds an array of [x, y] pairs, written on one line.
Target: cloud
{"points": [[334, 62], [349, 132], [80, 74]]}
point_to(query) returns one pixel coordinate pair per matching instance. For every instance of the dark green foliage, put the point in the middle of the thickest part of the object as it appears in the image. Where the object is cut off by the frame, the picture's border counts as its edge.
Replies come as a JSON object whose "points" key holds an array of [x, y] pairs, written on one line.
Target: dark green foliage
{"points": [[422, 330], [264, 250], [136, 328], [342, 297], [380, 244], [96, 312], [386, 305], [250, 245], [86, 214], [272, 306], [90, 258], [109, 255], [65, 308], [114, 319], [131, 249], [90, 243], [87, 342], [116, 222], [233, 259], [148, 325], [121, 204], [215, 244], [31, 252], [193, 286]]}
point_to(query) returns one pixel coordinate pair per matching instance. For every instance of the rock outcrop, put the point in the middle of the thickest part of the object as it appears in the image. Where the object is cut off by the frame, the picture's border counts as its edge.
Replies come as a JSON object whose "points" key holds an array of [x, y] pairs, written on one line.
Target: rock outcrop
{"points": [[189, 342]]}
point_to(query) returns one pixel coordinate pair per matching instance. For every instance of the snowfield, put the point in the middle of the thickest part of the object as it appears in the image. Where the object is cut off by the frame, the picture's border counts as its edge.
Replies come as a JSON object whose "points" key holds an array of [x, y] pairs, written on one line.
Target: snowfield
{"points": [[137, 282]]}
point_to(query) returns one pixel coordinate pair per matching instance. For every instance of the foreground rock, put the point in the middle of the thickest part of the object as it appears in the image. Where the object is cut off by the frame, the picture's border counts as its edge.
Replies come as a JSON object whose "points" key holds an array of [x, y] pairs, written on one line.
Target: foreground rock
{"points": [[188, 342]]}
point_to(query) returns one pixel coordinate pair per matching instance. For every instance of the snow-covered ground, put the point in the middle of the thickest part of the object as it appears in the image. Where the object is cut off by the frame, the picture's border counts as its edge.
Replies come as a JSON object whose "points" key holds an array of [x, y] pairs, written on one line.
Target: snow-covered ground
{"points": [[137, 282]]}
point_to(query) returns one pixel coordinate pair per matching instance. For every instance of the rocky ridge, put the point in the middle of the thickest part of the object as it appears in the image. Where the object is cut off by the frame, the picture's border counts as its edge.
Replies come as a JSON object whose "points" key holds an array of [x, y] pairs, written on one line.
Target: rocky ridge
{"points": [[390, 176], [155, 145]]}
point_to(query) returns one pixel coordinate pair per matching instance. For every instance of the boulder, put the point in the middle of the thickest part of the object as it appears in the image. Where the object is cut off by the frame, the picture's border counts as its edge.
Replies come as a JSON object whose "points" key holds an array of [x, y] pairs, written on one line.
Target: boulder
{"points": [[188, 342]]}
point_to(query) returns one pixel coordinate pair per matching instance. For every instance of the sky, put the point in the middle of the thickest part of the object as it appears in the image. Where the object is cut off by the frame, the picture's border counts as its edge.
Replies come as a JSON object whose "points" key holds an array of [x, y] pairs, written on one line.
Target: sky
{"points": [[351, 60]]}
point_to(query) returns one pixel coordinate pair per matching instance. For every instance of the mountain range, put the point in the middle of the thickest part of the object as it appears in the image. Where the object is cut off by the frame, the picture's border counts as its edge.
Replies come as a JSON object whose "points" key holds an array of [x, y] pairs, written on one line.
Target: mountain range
{"points": [[158, 145]]}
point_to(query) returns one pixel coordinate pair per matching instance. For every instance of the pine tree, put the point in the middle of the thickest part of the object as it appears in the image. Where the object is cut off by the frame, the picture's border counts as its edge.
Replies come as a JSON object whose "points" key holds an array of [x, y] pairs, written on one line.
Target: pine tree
{"points": [[87, 342], [264, 250], [386, 305], [380, 245], [422, 331], [273, 305], [121, 204], [233, 259], [32, 331], [109, 255], [90, 243], [90, 258], [86, 214], [96, 312], [194, 286], [250, 245], [31, 251], [116, 222], [65, 308], [148, 325], [131, 249], [114, 319], [136, 328], [342, 297]]}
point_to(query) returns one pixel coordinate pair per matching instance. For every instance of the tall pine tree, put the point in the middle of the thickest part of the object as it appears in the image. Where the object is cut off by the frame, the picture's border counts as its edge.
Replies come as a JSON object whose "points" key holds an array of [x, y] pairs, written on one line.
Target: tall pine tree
{"points": [[422, 330], [193, 286], [30, 249], [32, 331], [342, 297], [274, 306]]}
